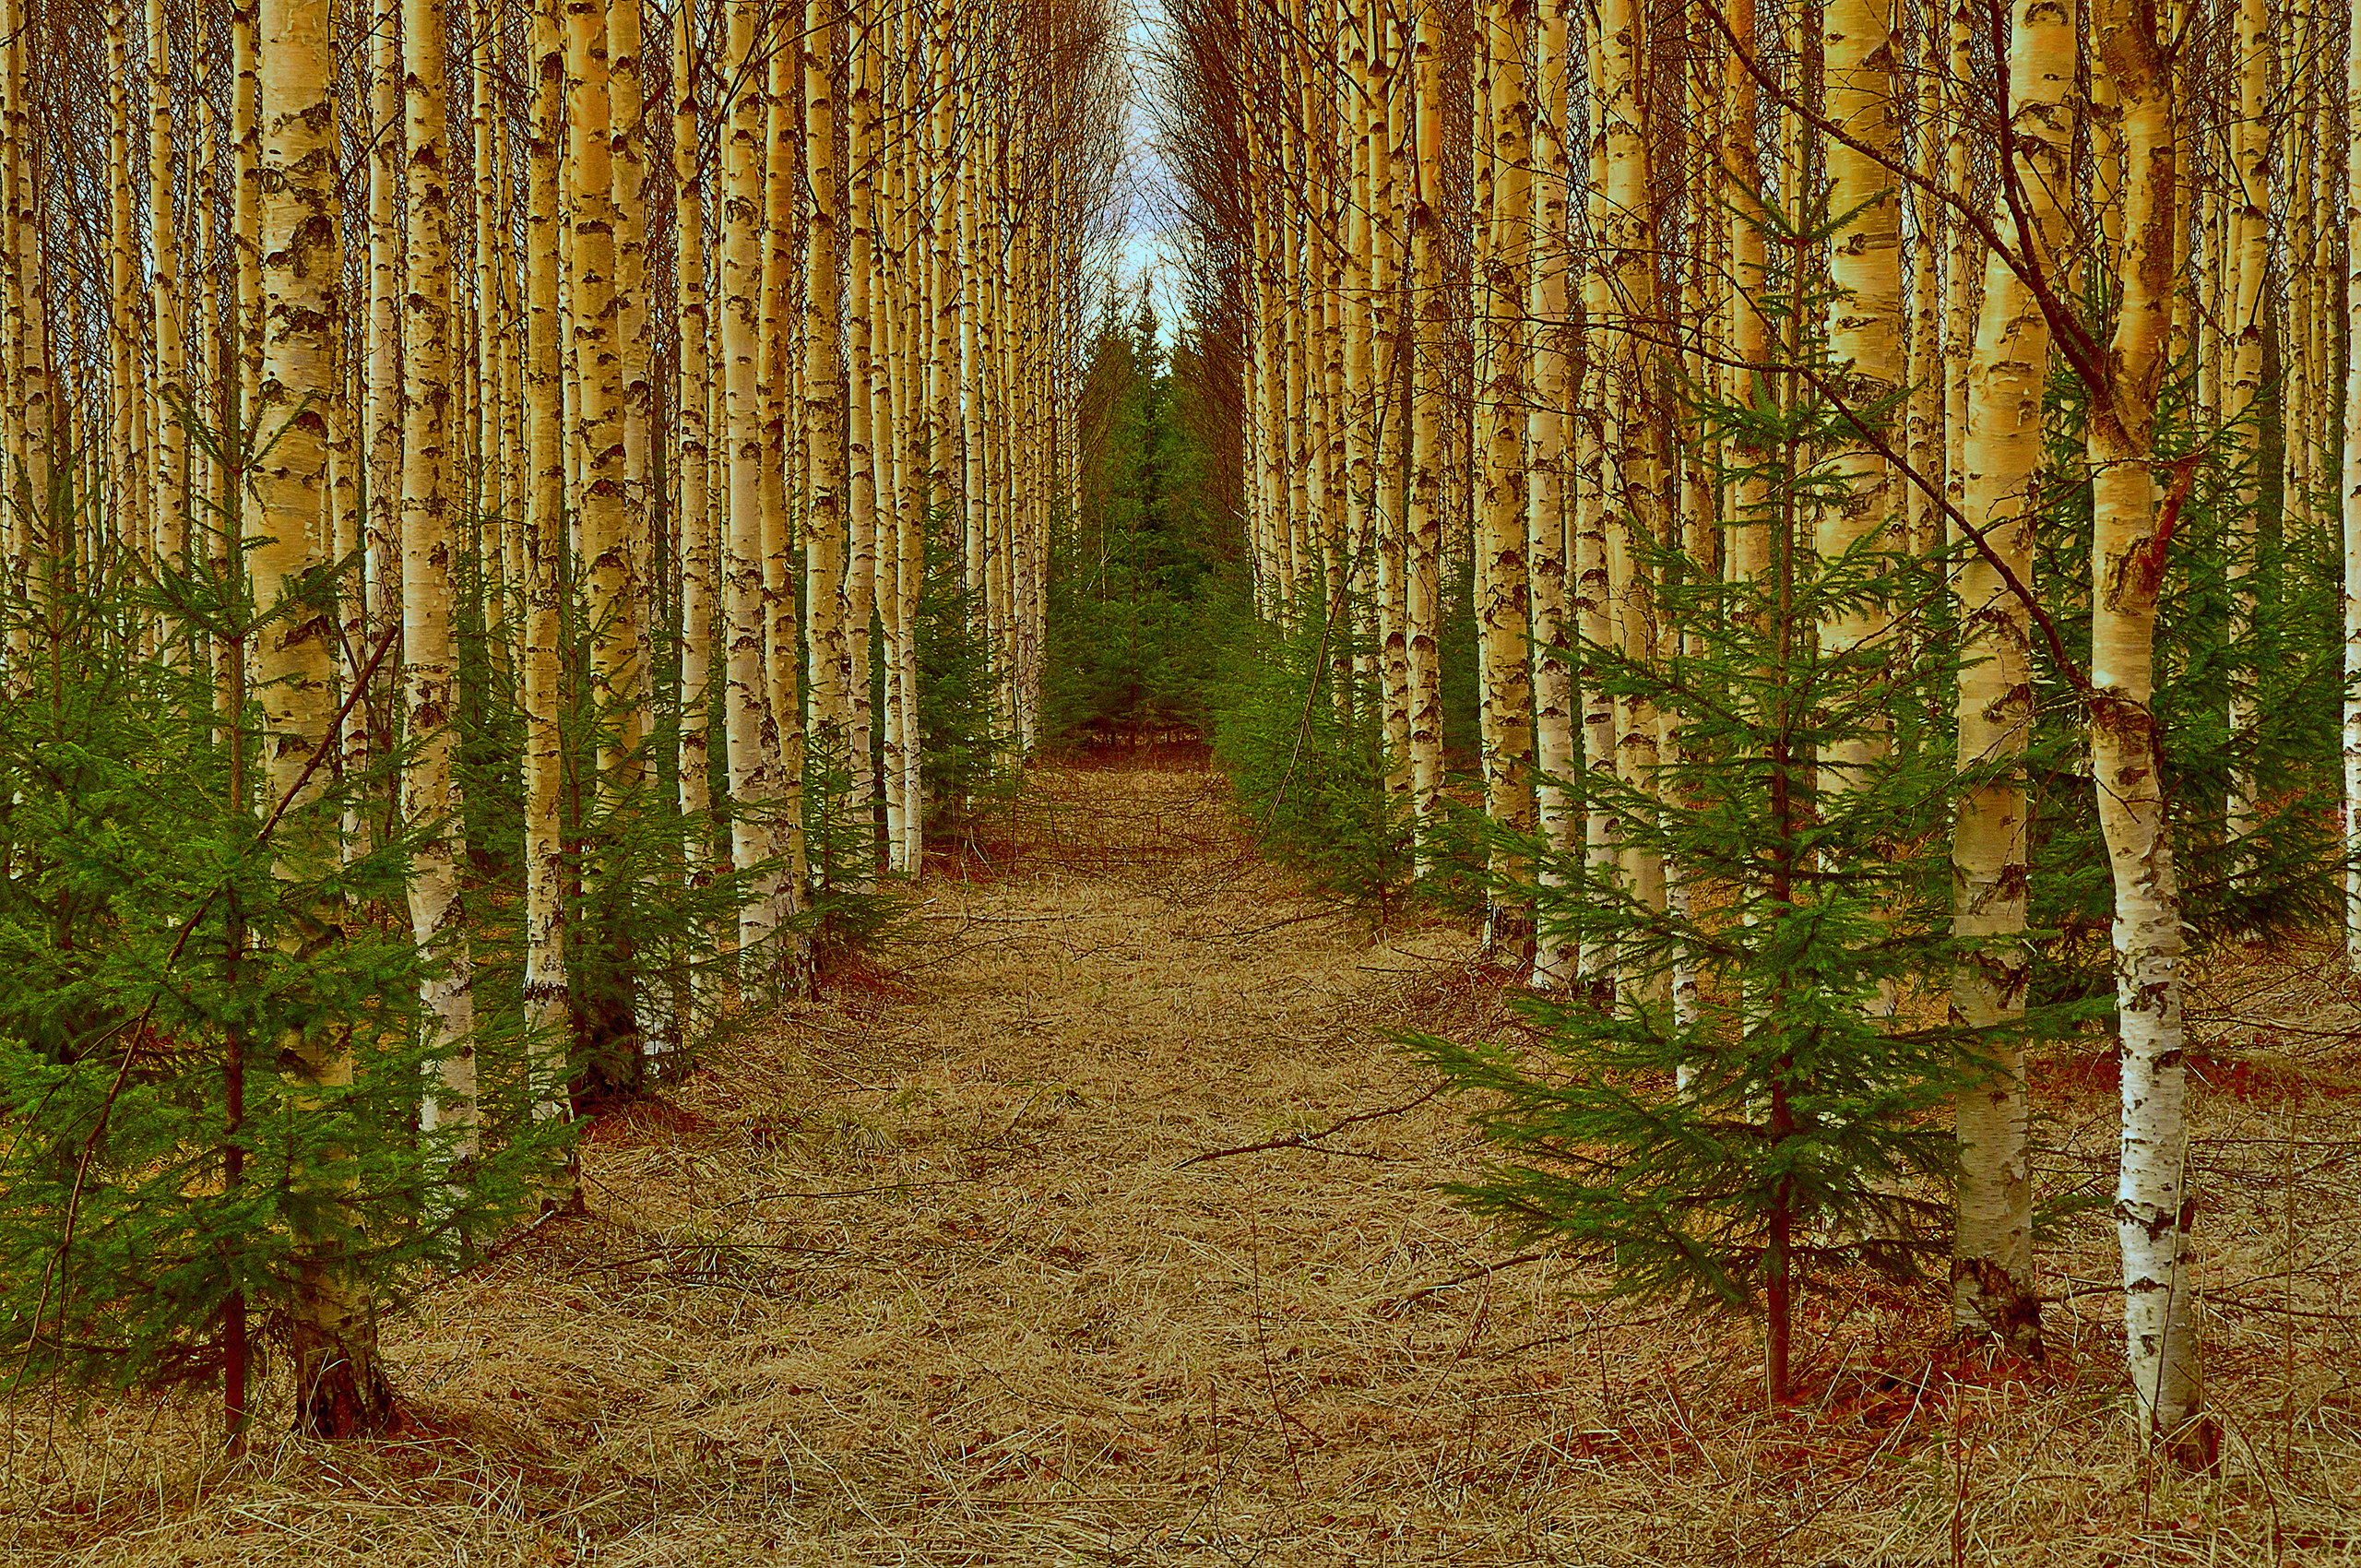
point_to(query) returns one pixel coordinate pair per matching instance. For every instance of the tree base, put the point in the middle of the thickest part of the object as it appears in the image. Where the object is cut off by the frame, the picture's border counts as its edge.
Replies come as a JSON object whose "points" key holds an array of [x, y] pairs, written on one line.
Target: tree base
{"points": [[1988, 1302], [2196, 1446], [340, 1388]]}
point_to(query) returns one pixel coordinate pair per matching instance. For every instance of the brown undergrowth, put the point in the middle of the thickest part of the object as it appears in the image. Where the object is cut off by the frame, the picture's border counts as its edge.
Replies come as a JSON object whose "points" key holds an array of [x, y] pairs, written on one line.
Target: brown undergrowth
{"points": [[929, 1272]]}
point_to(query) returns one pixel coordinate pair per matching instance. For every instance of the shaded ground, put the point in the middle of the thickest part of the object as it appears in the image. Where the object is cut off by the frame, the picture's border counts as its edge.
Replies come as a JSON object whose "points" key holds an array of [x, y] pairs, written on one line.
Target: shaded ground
{"points": [[923, 1274]]}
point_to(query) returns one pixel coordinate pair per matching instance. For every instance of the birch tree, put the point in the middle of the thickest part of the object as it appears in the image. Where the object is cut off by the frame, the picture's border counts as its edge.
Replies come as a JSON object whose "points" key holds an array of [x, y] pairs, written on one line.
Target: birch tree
{"points": [[430, 785], [340, 1382], [1992, 1287]]}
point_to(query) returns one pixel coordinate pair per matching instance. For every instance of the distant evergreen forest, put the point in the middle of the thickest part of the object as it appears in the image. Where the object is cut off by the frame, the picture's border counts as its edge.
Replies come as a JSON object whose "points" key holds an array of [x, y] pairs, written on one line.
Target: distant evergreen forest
{"points": [[1151, 623], [1148, 589]]}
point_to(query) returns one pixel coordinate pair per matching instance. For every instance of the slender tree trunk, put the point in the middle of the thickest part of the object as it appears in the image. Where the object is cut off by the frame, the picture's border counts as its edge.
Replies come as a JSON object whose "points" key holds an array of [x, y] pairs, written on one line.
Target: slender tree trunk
{"points": [[125, 457], [1959, 255], [1392, 354], [2243, 394], [1992, 1282], [1549, 506], [635, 392], [1598, 478], [331, 1324], [1923, 430], [1423, 528], [861, 434], [547, 459], [782, 663], [1865, 319], [486, 131], [595, 314], [1503, 606], [27, 325], [22, 547], [755, 785], [431, 801], [377, 588], [693, 536], [825, 540], [2352, 509], [1634, 503], [169, 484], [2130, 535]]}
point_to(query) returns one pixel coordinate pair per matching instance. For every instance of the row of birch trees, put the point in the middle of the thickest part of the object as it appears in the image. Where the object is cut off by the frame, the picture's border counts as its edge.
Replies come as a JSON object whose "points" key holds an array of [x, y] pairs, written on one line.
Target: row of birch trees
{"points": [[657, 359], [1463, 265]]}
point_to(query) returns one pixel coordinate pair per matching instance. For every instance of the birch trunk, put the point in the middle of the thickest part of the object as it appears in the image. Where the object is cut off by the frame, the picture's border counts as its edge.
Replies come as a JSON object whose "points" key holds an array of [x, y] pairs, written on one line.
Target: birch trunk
{"points": [[861, 434], [331, 1328], [486, 134], [1992, 1281], [754, 727], [782, 661], [633, 353], [824, 388], [169, 484], [547, 451], [2352, 509], [1598, 476], [889, 393], [2131, 537], [28, 324], [607, 575], [1865, 319], [627, 173], [2242, 393], [23, 544], [1556, 355], [430, 802], [1960, 256], [1635, 507], [1423, 528], [1356, 113], [1389, 327], [693, 536], [1924, 426], [1503, 606], [375, 592], [125, 467]]}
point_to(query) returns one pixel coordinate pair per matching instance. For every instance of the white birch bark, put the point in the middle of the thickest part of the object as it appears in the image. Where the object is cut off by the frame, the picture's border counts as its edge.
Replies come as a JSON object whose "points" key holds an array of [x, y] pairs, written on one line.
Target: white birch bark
{"points": [[2131, 540], [1503, 596], [547, 449], [823, 412], [693, 536], [2351, 507], [2242, 393], [34, 404], [170, 392], [1423, 526], [866, 24], [1548, 502], [1992, 1283], [1864, 318], [429, 786], [756, 513], [594, 315], [332, 1329]]}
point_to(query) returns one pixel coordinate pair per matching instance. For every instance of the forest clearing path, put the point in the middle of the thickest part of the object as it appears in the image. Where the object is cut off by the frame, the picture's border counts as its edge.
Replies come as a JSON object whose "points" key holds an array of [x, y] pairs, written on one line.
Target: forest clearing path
{"points": [[922, 1273], [919, 1271]]}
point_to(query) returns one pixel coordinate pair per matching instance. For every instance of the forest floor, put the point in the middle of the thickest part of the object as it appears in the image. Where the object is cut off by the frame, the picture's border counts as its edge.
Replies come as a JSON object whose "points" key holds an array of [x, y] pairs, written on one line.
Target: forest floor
{"points": [[935, 1271]]}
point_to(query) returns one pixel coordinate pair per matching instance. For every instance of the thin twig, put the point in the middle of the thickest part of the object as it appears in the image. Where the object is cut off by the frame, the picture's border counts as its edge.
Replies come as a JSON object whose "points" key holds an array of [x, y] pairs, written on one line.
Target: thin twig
{"points": [[1394, 1306], [1311, 1140]]}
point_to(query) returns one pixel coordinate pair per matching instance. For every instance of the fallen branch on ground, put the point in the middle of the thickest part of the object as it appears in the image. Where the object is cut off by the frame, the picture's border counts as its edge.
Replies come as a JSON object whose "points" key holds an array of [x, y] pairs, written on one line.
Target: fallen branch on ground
{"points": [[1395, 1305], [1311, 1140]]}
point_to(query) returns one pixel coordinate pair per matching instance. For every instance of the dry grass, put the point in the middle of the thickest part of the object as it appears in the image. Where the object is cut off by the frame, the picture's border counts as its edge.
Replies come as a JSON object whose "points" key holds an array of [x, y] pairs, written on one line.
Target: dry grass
{"points": [[918, 1274]]}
